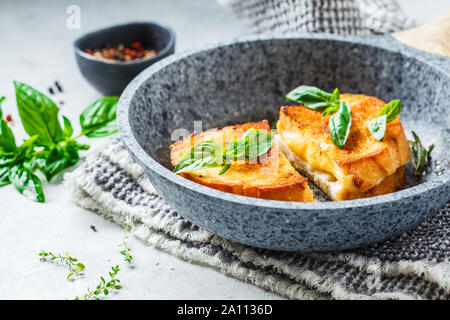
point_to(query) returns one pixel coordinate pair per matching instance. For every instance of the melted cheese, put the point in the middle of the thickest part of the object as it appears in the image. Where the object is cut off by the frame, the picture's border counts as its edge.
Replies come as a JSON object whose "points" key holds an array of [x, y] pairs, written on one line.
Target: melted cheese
{"points": [[308, 150]]}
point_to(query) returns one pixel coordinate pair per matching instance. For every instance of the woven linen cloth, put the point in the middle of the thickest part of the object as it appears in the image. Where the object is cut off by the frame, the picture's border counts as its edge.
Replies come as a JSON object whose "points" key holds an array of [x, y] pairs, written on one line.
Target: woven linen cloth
{"points": [[347, 17], [415, 265]]}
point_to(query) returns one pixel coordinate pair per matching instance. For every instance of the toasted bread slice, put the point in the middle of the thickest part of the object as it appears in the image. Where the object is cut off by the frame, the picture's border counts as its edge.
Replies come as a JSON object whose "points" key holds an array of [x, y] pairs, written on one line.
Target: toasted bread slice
{"points": [[364, 163], [332, 187], [271, 177]]}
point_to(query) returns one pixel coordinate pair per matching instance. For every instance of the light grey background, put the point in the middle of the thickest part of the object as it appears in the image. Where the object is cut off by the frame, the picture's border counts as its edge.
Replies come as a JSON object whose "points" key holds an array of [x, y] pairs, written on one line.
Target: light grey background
{"points": [[36, 48]]}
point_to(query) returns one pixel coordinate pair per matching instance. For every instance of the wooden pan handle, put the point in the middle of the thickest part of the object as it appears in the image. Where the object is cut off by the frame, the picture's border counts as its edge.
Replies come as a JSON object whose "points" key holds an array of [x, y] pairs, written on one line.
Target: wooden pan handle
{"points": [[433, 37]]}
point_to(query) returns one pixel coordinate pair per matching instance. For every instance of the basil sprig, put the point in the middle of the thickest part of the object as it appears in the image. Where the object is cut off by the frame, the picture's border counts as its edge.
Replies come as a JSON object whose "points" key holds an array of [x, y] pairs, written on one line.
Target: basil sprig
{"points": [[207, 154], [50, 148], [421, 156], [316, 99], [211, 154], [388, 113]]}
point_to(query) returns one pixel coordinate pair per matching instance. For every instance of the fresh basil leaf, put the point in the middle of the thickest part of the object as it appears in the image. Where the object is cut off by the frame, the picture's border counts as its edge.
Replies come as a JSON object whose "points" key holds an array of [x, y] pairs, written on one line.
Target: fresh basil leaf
{"points": [[25, 152], [207, 154], [336, 97], [4, 176], [339, 125], [104, 131], [225, 168], [99, 119], [7, 140], [68, 130], [252, 144], [1, 112], [391, 110], [314, 98], [53, 161], [26, 182], [39, 115], [329, 110], [377, 127], [7, 159]]}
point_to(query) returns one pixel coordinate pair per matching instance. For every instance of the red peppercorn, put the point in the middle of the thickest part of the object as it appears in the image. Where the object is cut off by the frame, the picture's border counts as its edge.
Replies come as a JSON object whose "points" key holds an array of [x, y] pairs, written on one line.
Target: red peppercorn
{"points": [[89, 51], [8, 118], [136, 45], [133, 53]]}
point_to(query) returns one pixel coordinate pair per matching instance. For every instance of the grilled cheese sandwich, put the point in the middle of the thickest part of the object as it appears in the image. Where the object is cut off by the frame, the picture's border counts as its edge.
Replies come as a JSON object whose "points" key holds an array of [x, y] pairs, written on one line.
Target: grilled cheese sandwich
{"points": [[365, 167], [272, 177]]}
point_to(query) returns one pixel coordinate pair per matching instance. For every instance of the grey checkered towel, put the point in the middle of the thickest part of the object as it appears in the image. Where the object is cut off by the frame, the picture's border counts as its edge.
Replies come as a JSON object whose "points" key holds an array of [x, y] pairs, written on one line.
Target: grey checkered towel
{"points": [[347, 17], [412, 266]]}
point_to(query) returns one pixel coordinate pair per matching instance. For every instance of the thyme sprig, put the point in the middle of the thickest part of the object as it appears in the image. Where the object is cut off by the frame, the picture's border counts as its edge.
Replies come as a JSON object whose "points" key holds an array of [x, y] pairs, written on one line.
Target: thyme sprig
{"points": [[420, 155], [103, 287], [72, 263], [126, 250]]}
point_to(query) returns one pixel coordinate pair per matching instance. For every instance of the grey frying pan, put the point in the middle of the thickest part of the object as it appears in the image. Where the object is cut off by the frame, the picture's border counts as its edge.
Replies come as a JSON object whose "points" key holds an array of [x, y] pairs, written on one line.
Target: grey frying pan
{"points": [[245, 80]]}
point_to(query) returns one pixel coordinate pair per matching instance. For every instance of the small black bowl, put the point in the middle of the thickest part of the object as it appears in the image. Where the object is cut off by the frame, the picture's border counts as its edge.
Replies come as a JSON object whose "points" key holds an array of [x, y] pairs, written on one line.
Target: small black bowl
{"points": [[111, 77]]}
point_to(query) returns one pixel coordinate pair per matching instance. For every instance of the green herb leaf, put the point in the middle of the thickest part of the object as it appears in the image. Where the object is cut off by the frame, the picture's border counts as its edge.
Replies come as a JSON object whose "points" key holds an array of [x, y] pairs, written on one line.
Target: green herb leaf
{"points": [[388, 113], [79, 267], [74, 268], [68, 130], [252, 144], [314, 98], [62, 156], [7, 159], [103, 286], [391, 110], [1, 101], [4, 176], [339, 125], [39, 115], [7, 140], [99, 119], [421, 156], [225, 168], [210, 154], [329, 110], [377, 127], [26, 182], [207, 154]]}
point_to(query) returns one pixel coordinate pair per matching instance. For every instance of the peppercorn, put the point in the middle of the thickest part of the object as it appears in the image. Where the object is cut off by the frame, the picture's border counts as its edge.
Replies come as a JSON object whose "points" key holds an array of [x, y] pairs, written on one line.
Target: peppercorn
{"points": [[58, 86], [122, 53], [136, 45]]}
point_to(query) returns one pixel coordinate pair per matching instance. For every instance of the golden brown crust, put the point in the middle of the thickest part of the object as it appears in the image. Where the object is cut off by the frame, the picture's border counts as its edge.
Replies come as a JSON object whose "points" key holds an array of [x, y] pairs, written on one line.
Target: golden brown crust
{"points": [[364, 159], [271, 178], [390, 184]]}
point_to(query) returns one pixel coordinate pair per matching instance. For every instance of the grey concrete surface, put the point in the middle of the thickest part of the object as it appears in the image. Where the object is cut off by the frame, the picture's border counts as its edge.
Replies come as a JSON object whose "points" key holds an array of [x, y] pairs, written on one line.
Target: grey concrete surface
{"points": [[36, 48]]}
